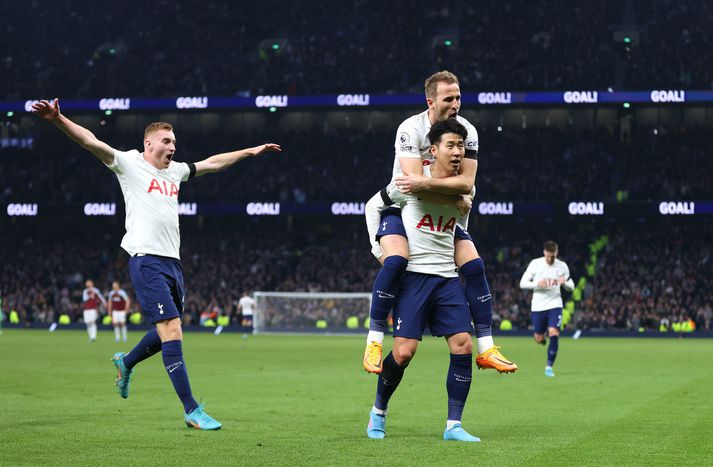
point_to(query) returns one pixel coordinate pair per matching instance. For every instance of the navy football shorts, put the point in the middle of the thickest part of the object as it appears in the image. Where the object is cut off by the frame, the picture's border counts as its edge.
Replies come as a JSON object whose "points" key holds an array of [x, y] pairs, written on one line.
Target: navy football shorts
{"points": [[541, 320], [158, 282], [433, 301], [392, 224]]}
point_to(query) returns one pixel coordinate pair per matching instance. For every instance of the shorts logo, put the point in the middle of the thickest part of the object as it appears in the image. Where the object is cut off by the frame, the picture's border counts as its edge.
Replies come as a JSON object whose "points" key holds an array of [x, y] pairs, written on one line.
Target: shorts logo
{"points": [[398, 324], [160, 309], [383, 227]]}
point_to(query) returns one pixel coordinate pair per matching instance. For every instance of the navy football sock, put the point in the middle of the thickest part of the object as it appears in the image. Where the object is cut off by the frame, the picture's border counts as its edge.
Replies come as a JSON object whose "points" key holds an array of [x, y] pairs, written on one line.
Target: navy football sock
{"points": [[389, 380], [383, 295], [172, 352], [479, 297], [460, 373], [149, 345], [552, 350]]}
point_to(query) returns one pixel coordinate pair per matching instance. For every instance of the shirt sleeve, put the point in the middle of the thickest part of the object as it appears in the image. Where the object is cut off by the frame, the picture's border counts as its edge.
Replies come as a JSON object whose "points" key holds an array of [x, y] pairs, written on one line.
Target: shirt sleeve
{"points": [[472, 145], [121, 161], [100, 295], [569, 283], [396, 196], [407, 141], [528, 279], [184, 171]]}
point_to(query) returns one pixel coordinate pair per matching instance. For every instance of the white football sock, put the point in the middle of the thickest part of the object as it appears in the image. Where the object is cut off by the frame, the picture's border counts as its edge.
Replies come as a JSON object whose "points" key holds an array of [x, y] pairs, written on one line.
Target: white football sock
{"points": [[484, 343], [375, 336]]}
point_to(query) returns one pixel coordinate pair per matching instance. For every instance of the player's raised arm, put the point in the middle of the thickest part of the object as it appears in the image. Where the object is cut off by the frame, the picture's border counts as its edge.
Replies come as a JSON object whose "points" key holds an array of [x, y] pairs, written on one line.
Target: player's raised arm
{"points": [[77, 133], [222, 161]]}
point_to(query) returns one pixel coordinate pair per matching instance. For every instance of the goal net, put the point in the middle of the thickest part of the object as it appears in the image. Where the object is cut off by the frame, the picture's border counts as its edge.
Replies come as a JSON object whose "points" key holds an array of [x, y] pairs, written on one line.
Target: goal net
{"points": [[310, 312]]}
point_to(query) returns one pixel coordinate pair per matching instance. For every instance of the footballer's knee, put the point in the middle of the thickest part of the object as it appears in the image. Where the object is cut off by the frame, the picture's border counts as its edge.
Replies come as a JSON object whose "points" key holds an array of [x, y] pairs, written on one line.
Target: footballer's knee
{"points": [[539, 338], [393, 245], [403, 354], [170, 330], [465, 252], [460, 344], [553, 332]]}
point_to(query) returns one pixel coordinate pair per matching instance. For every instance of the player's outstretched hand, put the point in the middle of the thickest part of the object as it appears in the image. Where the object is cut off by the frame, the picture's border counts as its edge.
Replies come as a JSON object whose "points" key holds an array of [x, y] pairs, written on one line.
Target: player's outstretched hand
{"points": [[47, 110], [410, 183], [267, 147]]}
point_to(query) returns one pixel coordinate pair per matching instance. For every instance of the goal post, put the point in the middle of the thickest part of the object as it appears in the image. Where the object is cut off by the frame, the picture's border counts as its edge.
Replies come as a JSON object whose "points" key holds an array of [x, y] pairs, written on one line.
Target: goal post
{"points": [[310, 312]]}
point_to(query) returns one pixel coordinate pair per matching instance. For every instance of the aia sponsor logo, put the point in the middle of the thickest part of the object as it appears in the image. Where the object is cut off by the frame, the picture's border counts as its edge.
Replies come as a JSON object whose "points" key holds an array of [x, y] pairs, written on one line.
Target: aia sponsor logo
{"points": [[427, 222], [163, 188]]}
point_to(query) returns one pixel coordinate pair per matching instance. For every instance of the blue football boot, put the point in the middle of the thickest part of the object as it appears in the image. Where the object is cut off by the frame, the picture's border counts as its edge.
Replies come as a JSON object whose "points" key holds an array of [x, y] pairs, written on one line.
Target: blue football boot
{"points": [[197, 418], [457, 433], [124, 374], [377, 426]]}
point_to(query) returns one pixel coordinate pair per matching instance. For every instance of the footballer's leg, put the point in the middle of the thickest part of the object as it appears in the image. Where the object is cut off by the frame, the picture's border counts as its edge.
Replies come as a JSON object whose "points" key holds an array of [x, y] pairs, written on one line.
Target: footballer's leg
{"points": [[480, 301], [451, 317], [393, 370], [392, 252], [554, 318], [460, 373], [148, 346]]}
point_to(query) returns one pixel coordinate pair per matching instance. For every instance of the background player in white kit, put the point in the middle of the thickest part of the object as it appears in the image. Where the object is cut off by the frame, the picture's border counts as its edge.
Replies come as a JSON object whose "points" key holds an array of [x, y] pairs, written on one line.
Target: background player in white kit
{"points": [[246, 307], [430, 293], [118, 305], [544, 276], [412, 149], [92, 298], [150, 184]]}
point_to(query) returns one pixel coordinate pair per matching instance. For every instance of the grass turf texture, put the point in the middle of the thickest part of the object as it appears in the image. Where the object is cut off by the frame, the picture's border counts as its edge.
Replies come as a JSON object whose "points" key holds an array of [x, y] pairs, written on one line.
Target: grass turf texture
{"points": [[297, 400]]}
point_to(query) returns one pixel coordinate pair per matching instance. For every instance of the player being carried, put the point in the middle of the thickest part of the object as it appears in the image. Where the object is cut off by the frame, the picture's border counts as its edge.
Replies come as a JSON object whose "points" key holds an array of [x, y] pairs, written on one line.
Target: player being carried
{"points": [[413, 152], [92, 298], [150, 184], [430, 293], [119, 304], [544, 276]]}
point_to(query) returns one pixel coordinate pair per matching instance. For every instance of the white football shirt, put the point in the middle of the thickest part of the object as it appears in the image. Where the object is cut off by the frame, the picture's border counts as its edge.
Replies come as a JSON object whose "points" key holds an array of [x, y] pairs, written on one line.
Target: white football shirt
{"points": [[430, 229], [151, 197], [546, 298], [246, 305], [412, 140]]}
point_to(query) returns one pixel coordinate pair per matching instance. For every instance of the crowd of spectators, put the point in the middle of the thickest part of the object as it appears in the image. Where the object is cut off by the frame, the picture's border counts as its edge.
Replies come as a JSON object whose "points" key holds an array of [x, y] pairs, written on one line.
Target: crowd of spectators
{"points": [[653, 279], [182, 48], [650, 275], [516, 164], [670, 53]]}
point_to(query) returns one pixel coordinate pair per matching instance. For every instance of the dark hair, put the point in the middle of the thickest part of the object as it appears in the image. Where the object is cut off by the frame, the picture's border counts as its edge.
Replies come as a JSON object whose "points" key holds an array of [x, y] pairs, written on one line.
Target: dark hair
{"points": [[550, 246], [446, 126]]}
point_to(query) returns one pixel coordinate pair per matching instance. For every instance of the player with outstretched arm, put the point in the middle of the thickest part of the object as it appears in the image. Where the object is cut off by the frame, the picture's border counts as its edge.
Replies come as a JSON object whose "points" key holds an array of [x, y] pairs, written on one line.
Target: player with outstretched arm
{"points": [[150, 182]]}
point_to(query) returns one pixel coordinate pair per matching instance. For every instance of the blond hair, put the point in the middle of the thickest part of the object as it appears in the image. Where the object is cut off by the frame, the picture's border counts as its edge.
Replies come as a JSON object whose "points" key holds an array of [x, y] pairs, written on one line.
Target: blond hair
{"points": [[155, 126], [440, 77]]}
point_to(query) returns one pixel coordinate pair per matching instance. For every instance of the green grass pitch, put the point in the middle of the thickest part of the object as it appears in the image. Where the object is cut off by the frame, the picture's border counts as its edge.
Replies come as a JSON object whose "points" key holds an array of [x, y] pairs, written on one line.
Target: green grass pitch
{"points": [[304, 400]]}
